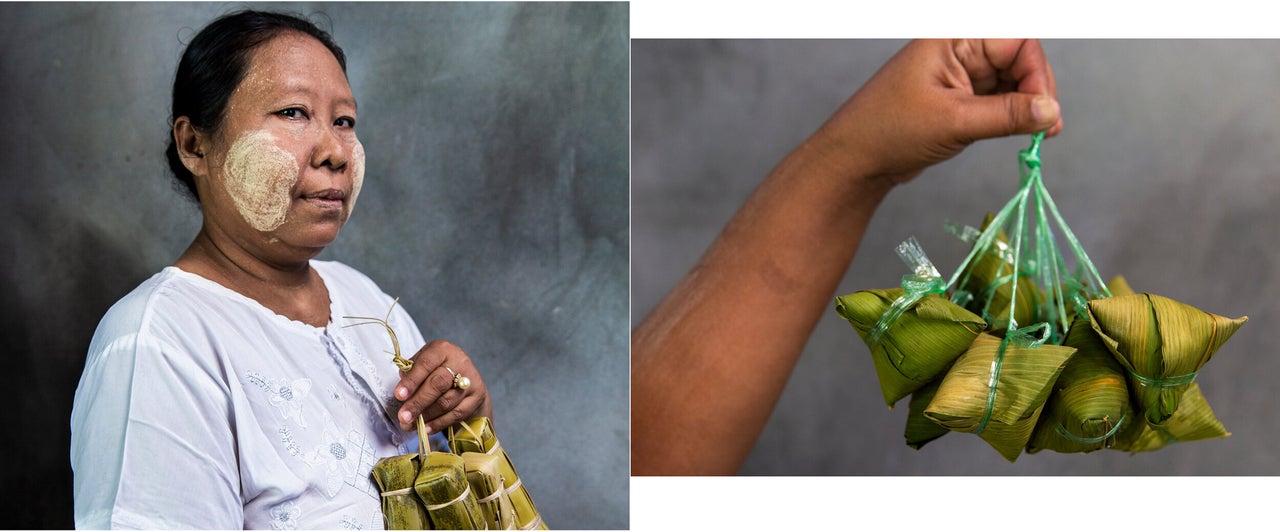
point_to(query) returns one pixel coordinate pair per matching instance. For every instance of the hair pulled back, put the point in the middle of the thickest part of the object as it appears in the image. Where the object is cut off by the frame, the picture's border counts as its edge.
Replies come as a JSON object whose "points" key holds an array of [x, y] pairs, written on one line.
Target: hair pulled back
{"points": [[214, 64]]}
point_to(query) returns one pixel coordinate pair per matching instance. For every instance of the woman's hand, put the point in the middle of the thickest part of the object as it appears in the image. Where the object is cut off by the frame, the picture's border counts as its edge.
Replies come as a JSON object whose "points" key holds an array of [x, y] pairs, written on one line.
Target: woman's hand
{"points": [[427, 389], [936, 97]]}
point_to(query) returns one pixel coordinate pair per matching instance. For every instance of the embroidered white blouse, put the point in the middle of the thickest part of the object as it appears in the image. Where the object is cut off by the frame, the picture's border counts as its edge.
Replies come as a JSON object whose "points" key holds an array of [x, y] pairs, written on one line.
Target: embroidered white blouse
{"points": [[200, 408]]}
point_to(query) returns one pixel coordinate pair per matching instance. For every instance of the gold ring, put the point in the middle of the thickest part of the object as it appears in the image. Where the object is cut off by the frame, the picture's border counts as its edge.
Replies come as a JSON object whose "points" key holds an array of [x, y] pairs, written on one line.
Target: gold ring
{"points": [[460, 382]]}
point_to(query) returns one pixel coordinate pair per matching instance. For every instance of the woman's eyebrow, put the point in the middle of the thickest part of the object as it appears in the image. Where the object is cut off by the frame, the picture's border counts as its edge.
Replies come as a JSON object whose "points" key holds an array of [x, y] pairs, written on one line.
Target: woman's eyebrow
{"points": [[287, 89]]}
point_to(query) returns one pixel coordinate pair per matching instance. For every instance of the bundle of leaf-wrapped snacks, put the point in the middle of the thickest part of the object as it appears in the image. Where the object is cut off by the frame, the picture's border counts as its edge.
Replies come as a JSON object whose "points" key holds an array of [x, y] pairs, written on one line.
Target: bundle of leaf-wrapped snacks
{"points": [[444, 498], [1027, 353], [503, 493], [462, 490]]}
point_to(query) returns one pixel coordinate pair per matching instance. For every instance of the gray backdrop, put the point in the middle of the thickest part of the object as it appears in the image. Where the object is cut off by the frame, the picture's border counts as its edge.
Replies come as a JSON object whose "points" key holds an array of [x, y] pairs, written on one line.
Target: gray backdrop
{"points": [[1166, 171], [495, 208]]}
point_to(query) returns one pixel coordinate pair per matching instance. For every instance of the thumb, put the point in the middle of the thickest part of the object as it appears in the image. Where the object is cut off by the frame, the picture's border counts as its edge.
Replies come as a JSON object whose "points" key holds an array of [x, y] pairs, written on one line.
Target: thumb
{"points": [[1011, 113]]}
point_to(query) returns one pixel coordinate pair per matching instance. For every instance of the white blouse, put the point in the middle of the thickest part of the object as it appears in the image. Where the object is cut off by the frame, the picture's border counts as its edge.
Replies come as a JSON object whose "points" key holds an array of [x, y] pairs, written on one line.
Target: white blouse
{"points": [[200, 408]]}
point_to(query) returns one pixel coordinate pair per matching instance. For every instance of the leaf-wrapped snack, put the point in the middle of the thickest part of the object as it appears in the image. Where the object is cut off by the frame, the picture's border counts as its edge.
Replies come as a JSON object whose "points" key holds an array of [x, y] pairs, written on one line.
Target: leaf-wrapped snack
{"points": [[988, 279], [1090, 401], [919, 345], [476, 436], [484, 472], [1193, 421], [442, 485], [1161, 343], [921, 430], [1003, 412], [401, 508], [1119, 286]]}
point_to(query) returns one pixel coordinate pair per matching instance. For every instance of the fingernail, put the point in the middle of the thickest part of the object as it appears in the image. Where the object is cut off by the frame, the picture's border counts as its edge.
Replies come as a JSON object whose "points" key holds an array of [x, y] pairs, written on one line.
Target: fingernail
{"points": [[402, 393], [1044, 110], [428, 429], [405, 416]]}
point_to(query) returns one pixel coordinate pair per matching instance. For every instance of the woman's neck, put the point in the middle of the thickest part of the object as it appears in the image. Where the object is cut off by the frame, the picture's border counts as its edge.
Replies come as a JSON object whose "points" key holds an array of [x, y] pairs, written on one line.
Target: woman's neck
{"points": [[290, 288]]}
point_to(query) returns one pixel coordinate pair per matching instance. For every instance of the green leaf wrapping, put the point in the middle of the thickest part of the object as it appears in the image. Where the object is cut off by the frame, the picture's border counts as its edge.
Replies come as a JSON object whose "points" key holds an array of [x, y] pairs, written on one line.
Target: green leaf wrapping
{"points": [[476, 436], [921, 430], [988, 280], [442, 485], [1090, 399], [1193, 421], [923, 342], [1161, 343], [484, 472], [401, 508], [1026, 375]]}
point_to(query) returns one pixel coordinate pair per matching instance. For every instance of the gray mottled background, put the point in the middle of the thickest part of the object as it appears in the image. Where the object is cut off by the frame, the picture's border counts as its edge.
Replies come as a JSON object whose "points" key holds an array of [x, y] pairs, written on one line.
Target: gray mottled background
{"points": [[495, 208], [1168, 171]]}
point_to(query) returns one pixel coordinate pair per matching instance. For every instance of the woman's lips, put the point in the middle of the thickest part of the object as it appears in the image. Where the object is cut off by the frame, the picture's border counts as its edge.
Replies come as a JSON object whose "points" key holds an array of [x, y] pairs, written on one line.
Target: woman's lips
{"points": [[326, 199]]}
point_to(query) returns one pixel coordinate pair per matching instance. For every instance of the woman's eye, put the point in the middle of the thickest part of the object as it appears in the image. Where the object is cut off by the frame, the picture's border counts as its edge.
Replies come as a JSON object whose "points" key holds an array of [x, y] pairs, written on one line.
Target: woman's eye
{"points": [[292, 112], [345, 122]]}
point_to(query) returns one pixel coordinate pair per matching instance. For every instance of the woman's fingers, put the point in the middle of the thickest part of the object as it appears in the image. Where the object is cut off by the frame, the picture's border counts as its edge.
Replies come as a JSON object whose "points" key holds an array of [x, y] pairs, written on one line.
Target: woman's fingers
{"points": [[1013, 88], [427, 389]]}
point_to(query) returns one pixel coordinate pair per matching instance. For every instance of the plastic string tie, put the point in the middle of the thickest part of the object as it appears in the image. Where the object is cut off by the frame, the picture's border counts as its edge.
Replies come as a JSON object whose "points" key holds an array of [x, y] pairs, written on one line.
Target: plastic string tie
{"points": [[992, 384], [1088, 441], [1164, 382], [923, 280]]}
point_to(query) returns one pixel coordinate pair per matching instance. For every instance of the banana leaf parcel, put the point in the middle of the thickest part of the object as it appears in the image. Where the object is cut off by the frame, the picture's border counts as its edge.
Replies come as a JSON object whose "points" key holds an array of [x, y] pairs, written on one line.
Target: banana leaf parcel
{"points": [[1193, 421], [484, 472], [426, 491], [1090, 401], [920, 429], [988, 279], [476, 436], [443, 487], [921, 343], [401, 508], [997, 390], [1161, 343]]}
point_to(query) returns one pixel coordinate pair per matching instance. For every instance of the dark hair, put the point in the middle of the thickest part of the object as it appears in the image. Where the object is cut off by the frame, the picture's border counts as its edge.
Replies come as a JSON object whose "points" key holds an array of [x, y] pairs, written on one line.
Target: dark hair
{"points": [[214, 64]]}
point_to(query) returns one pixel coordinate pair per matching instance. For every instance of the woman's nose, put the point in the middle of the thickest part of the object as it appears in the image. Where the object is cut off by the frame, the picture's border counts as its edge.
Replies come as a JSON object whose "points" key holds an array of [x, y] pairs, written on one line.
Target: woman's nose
{"points": [[330, 150]]}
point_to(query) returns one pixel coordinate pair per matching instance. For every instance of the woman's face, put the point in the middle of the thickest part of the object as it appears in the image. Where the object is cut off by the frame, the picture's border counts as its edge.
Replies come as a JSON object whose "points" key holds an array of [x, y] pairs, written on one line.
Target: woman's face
{"points": [[285, 167]]}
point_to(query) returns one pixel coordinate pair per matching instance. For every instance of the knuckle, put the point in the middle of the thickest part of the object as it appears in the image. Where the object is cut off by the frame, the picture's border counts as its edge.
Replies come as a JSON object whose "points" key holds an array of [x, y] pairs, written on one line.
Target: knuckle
{"points": [[440, 380], [1015, 112], [442, 346], [453, 416], [415, 405], [449, 401]]}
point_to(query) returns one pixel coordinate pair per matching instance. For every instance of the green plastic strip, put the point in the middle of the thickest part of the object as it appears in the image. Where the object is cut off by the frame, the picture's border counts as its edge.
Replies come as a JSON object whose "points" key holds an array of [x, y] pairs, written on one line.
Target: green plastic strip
{"points": [[1068, 435], [924, 281], [1164, 382]]}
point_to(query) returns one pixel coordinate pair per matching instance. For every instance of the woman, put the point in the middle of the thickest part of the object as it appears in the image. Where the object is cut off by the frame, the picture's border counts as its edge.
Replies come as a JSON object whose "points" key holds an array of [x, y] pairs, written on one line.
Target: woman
{"points": [[226, 391]]}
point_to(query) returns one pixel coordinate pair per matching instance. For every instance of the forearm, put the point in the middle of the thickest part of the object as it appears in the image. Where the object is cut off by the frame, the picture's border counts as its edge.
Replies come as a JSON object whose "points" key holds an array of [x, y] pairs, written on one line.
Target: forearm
{"points": [[711, 360]]}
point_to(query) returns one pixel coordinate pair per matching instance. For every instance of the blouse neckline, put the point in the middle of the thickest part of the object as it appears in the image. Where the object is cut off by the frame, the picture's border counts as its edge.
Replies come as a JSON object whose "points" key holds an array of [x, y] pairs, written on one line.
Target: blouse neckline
{"points": [[220, 290]]}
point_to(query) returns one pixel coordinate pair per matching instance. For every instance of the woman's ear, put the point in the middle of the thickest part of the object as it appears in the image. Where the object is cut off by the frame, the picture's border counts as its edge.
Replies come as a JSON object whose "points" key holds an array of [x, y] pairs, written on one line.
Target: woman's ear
{"points": [[191, 146]]}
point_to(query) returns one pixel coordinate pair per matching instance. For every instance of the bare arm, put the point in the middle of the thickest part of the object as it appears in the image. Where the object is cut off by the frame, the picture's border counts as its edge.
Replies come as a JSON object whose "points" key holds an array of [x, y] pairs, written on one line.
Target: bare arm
{"points": [[711, 360]]}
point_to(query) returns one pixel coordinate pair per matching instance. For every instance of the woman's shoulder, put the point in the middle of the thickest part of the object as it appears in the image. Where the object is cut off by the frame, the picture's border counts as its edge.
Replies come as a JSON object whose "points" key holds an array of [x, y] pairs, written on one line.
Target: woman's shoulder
{"points": [[131, 313], [171, 307]]}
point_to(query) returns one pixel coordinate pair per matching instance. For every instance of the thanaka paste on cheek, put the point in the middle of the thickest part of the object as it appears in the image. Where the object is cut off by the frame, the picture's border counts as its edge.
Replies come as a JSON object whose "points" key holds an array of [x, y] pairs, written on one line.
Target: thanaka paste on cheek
{"points": [[357, 175], [260, 176]]}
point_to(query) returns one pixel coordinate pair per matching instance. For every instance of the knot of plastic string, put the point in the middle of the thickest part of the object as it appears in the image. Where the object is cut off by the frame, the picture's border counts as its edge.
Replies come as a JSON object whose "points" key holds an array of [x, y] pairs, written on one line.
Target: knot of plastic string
{"points": [[923, 280], [1089, 441], [1031, 156]]}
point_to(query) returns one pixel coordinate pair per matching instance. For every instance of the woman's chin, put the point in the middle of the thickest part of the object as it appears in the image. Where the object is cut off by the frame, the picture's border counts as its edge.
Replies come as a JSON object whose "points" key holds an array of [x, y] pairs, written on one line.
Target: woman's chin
{"points": [[313, 237]]}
